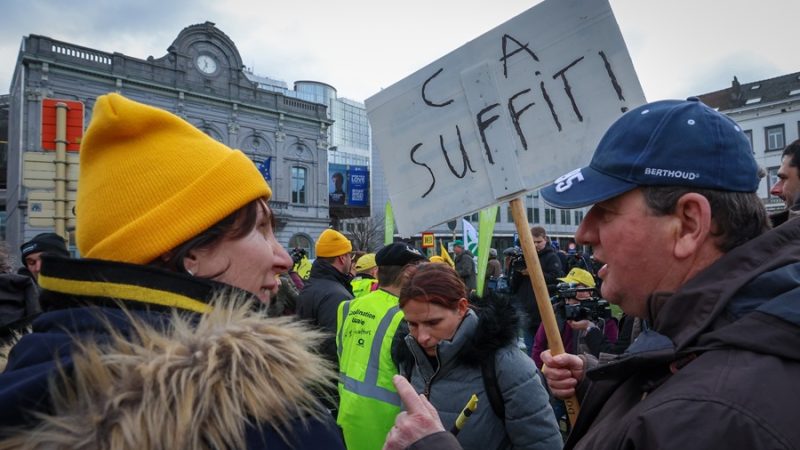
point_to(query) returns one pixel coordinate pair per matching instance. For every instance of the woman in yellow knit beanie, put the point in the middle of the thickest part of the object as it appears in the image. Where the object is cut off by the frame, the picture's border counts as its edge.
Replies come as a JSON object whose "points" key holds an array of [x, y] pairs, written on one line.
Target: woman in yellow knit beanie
{"points": [[158, 339]]}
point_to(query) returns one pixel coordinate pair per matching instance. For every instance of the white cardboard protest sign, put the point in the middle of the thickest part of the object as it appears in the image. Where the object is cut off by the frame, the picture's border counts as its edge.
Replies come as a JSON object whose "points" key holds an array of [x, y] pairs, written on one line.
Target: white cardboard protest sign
{"points": [[505, 113]]}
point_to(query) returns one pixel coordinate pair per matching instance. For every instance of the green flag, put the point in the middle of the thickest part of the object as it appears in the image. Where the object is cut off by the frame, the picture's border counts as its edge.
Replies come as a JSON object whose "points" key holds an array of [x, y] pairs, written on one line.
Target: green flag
{"points": [[485, 232], [388, 222]]}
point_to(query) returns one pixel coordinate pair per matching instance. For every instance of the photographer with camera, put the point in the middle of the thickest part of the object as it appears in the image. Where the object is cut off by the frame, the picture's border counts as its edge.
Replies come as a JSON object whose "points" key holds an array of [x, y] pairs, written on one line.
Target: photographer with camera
{"points": [[301, 265], [520, 282], [581, 315], [584, 320]]}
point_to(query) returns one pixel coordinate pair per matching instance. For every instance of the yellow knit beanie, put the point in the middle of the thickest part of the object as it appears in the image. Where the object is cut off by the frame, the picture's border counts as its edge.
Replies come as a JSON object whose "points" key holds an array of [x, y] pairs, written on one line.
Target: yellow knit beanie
{"points": [[332, 243], [150, 181]]}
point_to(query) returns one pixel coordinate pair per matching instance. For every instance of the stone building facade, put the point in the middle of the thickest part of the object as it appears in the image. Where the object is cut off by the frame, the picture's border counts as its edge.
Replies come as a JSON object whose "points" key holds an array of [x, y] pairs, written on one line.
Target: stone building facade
{"points": [[769, 113], [202, 79]]}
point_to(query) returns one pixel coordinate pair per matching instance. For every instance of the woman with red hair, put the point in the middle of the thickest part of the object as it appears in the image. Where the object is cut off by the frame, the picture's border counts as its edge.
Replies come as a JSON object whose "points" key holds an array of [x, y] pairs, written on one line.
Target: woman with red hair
{"points": [[443, 355]]}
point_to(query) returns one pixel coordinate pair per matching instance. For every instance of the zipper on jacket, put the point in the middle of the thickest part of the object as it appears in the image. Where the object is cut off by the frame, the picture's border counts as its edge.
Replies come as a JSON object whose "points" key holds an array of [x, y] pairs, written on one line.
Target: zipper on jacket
{"points": [[428, 384]]}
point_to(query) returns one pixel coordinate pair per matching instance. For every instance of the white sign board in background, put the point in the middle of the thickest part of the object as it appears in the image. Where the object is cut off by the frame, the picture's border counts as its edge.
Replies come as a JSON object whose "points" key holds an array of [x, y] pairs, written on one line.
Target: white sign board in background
{"points": [[505, 113]]}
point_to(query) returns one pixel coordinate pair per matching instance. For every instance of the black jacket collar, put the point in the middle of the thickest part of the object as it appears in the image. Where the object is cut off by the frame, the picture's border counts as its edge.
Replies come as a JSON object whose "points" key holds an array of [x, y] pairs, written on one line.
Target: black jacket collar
{"points": [[325, 270], [81, 282]]}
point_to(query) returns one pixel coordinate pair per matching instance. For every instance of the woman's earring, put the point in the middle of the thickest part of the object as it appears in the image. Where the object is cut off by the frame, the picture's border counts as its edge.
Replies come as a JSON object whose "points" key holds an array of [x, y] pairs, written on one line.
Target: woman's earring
{"points": [[189, 271]]}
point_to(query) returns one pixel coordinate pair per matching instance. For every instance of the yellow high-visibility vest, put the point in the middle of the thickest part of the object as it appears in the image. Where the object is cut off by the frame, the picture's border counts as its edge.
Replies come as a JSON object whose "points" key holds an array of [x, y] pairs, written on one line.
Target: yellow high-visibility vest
{"points": [[362, 286], [368, 401]]}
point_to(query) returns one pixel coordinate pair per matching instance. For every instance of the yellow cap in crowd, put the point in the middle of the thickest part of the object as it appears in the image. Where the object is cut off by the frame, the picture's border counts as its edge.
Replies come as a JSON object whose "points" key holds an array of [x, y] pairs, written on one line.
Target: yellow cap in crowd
{"points": [[366, 262], [332, 243], [580, 276]]}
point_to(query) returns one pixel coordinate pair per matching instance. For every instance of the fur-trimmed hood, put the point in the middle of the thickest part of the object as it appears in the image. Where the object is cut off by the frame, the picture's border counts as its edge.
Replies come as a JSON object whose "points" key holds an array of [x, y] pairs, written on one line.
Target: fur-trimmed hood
{"points": [[498, 325], [195, 383]]}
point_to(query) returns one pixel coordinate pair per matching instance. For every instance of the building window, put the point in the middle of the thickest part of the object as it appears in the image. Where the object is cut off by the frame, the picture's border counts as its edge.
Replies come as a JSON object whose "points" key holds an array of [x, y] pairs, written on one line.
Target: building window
{"points": [[749, 135], [530, 215], [578, 217], [774, 137], [549, 216], [566, 218], [536, 215], [475, 217], [509, 215], [772, 179], [299, 184]]}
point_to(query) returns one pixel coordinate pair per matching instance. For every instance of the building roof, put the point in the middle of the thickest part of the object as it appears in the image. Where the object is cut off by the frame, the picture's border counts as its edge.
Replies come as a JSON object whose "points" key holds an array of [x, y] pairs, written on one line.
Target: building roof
{"points": [[756, 93]]}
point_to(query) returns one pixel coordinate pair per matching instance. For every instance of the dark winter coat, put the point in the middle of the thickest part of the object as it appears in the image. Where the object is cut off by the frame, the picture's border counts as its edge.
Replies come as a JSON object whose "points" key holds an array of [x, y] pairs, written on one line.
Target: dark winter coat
{"points": [[284, 302], [780, 217], [319, 300], [131, 357], [489, 333], [493, 268], [443, 440], [719, 366], [19, 304], [552, 271], [465, 267]]}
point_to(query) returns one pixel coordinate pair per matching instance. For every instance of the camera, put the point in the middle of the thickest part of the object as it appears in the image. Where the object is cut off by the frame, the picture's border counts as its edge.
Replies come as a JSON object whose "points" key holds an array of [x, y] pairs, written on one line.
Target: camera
{"points": [[515, 260], [297, 255], [593, 308], [515, 268]]}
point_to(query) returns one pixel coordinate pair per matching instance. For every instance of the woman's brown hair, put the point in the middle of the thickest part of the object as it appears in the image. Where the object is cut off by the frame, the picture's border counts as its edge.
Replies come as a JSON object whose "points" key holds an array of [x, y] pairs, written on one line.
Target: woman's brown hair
{"points": [[236, 225], [433, 283]]}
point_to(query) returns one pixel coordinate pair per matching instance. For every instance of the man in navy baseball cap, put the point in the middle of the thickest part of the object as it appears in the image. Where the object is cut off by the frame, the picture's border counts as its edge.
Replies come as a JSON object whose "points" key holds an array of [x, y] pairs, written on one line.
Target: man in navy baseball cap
{"points": [[686, 245]]}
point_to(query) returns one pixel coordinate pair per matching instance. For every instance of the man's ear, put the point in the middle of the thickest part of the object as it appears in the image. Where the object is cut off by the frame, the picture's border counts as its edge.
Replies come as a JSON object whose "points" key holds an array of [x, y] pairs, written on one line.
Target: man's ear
{"points": [[341, 261], [693, 214]]}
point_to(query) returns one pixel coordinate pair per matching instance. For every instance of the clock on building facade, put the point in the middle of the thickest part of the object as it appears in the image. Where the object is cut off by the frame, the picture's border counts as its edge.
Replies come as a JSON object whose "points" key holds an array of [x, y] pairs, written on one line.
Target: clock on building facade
{"points": [[206, 64]]}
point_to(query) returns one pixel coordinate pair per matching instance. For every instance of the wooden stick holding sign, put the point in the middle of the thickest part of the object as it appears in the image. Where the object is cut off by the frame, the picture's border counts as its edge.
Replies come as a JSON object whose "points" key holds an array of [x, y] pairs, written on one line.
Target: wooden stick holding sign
{"points": [[540, 292]]}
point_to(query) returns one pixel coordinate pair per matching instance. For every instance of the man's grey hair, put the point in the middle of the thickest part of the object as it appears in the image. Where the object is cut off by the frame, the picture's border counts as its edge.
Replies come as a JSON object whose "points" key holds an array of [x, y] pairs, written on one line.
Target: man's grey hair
{"points": [[737, 217]]}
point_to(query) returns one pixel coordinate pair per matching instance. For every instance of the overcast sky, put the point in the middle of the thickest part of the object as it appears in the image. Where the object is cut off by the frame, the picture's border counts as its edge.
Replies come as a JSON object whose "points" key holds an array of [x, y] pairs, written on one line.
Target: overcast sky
{"points": [[678, 47]]}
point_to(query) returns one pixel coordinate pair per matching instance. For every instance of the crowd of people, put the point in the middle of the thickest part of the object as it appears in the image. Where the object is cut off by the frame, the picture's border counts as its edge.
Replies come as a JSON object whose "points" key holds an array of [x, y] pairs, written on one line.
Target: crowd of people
{"points": [[186, 324]]}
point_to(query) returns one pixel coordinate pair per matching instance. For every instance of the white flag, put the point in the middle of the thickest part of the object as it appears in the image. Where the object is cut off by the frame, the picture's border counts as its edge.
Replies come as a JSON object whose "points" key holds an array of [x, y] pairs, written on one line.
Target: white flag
{"points": [[470, 237]]}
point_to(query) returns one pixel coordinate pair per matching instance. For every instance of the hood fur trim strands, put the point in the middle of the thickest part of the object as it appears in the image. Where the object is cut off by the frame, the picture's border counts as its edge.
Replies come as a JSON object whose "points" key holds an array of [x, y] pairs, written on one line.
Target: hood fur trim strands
{"points": [[195, 385]]}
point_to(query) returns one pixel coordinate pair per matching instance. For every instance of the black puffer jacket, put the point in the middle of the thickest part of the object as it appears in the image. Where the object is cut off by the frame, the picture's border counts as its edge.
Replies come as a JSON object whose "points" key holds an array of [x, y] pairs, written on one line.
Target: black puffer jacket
{"points": [[325, 288], [552, 270]]}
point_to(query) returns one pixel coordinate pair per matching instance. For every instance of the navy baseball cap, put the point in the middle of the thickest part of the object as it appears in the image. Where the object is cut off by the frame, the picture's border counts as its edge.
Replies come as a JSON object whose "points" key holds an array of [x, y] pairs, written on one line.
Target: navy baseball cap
{"points": [[664, 143], [398, 254]]}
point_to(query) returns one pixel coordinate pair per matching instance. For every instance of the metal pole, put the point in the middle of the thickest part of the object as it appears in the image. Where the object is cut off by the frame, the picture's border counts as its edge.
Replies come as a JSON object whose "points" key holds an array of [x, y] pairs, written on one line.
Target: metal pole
{"points": [[60, 199]]}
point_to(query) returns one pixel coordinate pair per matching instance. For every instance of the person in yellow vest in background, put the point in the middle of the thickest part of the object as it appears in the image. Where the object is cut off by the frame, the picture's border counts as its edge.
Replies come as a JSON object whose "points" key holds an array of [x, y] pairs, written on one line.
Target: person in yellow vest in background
{"points": [[366, 275], [368, 401], [302, 266]]}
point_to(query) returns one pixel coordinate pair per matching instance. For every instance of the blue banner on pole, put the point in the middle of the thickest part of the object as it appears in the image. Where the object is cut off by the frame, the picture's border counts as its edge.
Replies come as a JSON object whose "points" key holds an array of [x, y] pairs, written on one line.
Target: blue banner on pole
{"points": [[264, 168], [358, 186]]}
